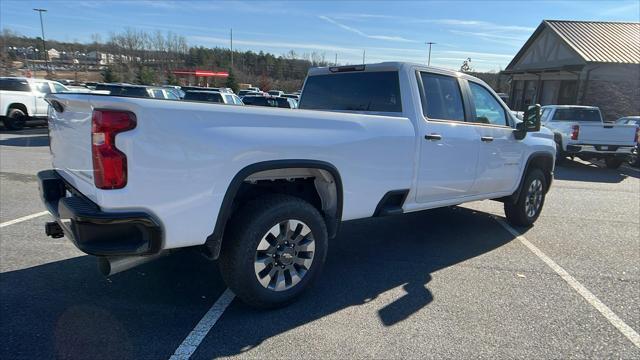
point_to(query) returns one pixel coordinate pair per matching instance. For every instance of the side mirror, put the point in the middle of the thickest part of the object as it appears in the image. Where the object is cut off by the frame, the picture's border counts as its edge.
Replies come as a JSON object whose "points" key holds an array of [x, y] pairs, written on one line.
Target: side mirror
{"points": [[530, 122], [531, 118]]}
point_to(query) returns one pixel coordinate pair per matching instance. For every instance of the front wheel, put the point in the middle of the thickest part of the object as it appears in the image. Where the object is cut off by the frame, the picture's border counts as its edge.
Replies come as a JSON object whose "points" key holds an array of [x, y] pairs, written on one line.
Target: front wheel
{"points": [[527, 208], [613, 163], [15, 119], [275, 247]]}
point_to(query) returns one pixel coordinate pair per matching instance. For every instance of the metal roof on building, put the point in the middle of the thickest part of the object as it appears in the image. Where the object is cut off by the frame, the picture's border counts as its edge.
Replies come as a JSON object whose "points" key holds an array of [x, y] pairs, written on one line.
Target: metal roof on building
{"points": [[599, 41], [593, 41]]}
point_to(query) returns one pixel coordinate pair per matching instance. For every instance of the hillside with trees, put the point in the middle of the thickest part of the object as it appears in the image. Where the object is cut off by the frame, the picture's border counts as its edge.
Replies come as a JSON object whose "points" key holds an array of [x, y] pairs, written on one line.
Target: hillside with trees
{"points": [[136, 56]]}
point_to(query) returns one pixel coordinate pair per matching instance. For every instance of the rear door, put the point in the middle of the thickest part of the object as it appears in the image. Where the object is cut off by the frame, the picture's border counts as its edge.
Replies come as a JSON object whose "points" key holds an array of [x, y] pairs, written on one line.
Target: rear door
{"points": [[500, 154], [41, 88], [448, 145]]}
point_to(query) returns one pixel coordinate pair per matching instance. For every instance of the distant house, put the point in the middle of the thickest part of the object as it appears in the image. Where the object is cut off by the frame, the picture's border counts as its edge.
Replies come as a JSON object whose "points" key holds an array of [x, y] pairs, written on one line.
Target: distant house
{"points": [[53, 54], [579, 62]]}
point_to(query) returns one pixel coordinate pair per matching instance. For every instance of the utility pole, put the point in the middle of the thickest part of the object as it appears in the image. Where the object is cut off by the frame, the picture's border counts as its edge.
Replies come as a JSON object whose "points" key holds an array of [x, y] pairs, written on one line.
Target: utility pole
{"points": [[363, 54], [44, 45], [231, 35], [429, 60]]}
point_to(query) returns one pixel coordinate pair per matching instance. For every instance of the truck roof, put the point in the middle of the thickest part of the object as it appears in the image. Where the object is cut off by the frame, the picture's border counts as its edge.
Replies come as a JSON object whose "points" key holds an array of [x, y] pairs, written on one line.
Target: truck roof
{"points": [[382, 66], [571, 107]]}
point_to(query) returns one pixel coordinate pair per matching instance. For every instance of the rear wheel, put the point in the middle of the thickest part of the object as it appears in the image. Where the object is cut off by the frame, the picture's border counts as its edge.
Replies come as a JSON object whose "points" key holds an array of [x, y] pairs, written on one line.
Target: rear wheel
{"points": [[527, 208], [613, 163], [275, 247], [15, 119], [634, 159]]}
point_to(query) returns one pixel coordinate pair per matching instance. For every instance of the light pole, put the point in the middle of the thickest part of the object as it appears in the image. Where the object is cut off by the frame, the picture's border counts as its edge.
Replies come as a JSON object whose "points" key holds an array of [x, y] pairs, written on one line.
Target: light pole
{"points": [[429, 60], [44, 44]]}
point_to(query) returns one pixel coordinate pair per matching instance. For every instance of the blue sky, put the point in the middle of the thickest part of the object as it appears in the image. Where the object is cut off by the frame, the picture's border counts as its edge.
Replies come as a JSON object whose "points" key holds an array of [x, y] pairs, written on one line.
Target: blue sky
{"points": [[490, 33]]}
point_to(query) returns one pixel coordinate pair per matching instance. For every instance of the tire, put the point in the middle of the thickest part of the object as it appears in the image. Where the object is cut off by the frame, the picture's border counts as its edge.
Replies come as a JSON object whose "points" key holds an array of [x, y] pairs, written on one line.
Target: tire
{"points": [[250, 260], [561, 156], [613, 163], [15, 119], [527, 208], [634, 160]]}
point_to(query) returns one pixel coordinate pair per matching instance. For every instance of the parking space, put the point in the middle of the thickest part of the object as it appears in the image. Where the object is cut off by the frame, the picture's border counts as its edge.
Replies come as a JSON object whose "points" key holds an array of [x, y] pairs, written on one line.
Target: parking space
{"points": [[445, 283]]}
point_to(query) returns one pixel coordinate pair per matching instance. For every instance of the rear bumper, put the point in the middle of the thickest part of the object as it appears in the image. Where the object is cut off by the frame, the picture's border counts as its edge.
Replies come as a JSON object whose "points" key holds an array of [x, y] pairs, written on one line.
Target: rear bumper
{"points": [[603, 150], [94, 231]]}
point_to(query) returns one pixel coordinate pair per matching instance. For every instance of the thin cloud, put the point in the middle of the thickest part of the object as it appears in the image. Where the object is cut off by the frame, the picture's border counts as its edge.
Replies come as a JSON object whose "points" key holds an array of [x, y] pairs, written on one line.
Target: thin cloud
{"points": [[479, 54], [489, 35], [478, 24], [630, 8], [271, 44], [362, 33]]}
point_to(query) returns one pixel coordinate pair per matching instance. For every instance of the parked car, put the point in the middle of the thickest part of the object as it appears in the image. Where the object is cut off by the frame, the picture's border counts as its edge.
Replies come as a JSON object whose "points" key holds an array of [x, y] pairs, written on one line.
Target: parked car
{"points": [[213, 96], [22, 100], [124, 89], [634, 159], [271, 101], [264, 189], [176, 90], [163, 93], [292, 96], [243, 93], [275, 93], [580, 131]]}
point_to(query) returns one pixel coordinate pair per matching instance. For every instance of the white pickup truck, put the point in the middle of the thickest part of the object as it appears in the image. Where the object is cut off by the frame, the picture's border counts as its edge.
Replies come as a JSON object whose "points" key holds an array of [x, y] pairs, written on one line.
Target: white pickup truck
{"points": [[22, 100], [264, 189], [581, 131]]}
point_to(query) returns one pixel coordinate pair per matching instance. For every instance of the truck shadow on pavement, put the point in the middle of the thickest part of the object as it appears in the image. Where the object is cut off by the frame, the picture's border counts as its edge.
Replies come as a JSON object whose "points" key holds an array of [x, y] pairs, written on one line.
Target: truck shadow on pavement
{"points": [[26, 141], [38, 130], [70, 311], [592, 172], [369, 260]]}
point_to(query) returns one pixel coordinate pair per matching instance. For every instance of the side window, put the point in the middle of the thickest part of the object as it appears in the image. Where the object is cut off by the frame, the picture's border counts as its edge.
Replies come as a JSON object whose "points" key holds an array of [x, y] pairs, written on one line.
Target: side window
{"points": [[14, 85], [488, 109], [545, 115], [157, 93], [59, 88], [43, 87], [442, 98]]}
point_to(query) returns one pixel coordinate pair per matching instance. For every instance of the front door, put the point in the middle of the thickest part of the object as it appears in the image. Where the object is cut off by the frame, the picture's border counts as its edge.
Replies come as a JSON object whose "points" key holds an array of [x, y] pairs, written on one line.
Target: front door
{"points": [[448, 146], [500, 155]]}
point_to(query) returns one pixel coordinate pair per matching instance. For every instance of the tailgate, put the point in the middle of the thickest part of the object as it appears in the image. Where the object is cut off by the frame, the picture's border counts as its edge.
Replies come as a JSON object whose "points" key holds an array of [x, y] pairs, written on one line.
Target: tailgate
{"points": [[70, 139], [606, 134]]}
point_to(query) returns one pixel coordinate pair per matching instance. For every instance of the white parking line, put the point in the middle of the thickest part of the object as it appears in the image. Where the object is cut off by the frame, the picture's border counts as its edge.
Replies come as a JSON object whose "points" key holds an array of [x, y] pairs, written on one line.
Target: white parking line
{"points": [[195, 337], [24, 218], [625, 329]]}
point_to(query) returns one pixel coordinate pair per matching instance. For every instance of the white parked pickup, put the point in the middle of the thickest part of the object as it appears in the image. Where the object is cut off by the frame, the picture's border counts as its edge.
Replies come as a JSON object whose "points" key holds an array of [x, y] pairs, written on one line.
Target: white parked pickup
{"points": [[22, 100], [581, 131], [264, 189]]}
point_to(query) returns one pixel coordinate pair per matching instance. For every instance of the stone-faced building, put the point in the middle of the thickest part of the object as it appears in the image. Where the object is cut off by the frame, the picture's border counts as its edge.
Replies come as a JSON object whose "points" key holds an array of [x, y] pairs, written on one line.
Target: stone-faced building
{"points": [[579, 62]]}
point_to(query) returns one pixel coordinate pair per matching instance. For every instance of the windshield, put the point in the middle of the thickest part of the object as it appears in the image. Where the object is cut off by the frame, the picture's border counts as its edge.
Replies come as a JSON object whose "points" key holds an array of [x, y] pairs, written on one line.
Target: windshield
{"points": [[577, 115], [361, 91], [203, 96]]}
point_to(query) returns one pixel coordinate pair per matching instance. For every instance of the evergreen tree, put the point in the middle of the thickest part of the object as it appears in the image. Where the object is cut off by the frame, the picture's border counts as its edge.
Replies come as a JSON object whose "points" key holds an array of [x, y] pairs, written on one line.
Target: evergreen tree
{"points": [[109, 76], [231, 81]]}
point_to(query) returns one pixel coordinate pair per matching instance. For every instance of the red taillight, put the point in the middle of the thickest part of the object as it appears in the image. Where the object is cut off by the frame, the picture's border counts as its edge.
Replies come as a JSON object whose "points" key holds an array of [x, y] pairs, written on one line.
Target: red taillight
{"points": [[635, 139], [109, 163], [575, 131]]}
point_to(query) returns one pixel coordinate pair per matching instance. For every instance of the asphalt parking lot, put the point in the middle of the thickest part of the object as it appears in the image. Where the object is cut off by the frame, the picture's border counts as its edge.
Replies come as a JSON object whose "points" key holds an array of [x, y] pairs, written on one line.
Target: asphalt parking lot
{"points": [[447, 283]]}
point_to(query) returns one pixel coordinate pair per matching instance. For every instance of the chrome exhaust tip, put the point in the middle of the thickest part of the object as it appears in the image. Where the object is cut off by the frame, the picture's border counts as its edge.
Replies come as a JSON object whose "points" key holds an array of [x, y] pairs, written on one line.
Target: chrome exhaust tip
{"points": [[110, 265]]}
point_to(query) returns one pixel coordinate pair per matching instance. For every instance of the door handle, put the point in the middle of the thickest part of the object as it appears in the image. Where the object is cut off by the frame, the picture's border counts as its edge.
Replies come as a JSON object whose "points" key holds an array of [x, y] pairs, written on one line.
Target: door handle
{"points": [[433, 137], [487, 138]]}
